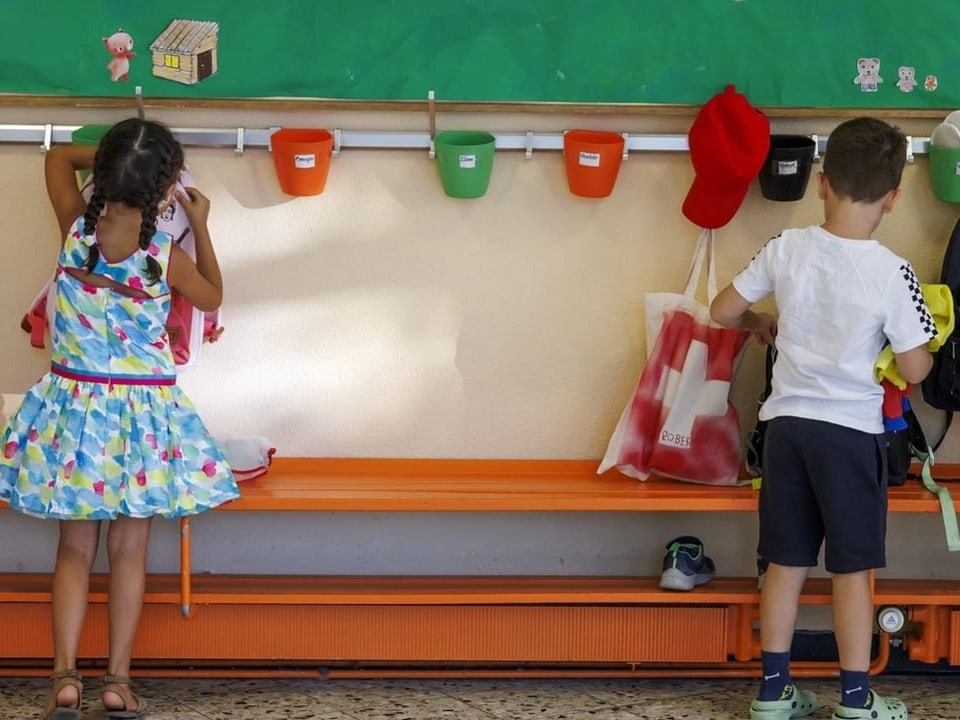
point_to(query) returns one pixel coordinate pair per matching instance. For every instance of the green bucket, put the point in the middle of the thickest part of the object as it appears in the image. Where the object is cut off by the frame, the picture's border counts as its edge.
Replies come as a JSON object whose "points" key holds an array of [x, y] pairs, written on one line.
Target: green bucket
{"points": [[465, 161], [88, 135], [945, 173]]}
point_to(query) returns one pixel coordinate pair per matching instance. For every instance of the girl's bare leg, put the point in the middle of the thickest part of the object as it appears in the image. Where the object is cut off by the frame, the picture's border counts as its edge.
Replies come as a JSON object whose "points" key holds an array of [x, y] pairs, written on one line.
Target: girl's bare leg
{"points": [[127, 540], [76, 553]]}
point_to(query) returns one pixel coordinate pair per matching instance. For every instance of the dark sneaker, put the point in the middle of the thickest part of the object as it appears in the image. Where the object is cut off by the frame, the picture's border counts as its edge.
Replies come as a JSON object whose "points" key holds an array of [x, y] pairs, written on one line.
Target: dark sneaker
{"points": [[685, 565]]}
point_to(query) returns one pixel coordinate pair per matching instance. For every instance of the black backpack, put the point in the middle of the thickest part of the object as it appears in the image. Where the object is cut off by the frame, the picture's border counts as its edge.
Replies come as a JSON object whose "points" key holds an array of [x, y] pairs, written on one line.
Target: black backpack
{"points": [[904, 445], [941, 388], [755, 438]]}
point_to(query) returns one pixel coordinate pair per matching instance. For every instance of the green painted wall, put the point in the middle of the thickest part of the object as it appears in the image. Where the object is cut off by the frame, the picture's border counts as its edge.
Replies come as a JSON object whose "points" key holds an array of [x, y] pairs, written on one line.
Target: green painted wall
{"points": [[786, 53]]}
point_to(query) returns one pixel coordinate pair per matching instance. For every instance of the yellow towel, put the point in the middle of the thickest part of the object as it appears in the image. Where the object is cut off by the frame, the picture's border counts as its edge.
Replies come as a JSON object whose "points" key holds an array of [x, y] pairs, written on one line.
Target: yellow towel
{"points": [[939, 301]]}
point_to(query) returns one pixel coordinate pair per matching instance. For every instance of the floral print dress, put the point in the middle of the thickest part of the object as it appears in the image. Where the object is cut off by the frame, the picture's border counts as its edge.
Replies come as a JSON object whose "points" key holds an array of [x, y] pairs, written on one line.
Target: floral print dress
{"points": [[107, 431]]}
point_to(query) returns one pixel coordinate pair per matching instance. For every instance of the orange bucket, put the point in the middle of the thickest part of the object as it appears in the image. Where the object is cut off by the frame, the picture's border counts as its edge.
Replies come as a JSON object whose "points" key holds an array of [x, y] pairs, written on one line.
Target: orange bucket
{"points": [[593, 161], [302, 159]]}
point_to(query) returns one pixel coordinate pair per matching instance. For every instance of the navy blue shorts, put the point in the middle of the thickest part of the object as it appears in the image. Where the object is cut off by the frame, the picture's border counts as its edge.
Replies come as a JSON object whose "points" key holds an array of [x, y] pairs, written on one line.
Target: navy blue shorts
{"points": [[823, 483]]}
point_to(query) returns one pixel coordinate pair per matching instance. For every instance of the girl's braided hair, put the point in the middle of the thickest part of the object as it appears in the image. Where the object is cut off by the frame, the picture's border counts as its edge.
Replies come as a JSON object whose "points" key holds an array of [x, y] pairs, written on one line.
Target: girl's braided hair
{"points": [[135, 163]]}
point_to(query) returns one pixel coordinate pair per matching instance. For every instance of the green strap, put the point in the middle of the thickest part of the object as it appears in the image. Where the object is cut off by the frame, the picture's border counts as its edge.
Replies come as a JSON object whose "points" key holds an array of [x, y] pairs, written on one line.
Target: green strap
{"points": [[946, 504]]}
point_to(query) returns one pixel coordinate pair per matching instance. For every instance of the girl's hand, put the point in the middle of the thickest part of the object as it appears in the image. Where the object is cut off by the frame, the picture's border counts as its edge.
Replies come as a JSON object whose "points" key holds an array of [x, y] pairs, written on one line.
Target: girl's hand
{"points": [[196, 205]]}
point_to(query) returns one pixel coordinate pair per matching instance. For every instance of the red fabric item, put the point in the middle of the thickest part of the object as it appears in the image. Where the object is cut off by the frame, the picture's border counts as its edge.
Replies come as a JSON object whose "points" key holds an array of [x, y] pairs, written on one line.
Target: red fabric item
{"points": [[729, 141], [893, 399], [35, 324]]}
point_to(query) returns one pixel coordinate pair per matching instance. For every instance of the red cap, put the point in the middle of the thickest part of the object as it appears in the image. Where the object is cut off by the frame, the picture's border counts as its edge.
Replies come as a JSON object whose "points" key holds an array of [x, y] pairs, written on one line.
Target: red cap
{"points": [[729, 142]]}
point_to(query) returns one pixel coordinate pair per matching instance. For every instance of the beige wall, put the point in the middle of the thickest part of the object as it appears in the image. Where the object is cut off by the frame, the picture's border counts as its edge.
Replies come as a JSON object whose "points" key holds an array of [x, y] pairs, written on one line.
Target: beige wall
{"points": [[382, 318]]}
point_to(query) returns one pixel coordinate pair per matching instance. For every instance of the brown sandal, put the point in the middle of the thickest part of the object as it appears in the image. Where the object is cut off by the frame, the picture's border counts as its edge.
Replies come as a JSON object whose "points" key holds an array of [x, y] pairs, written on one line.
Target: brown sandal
{"points": [[62, 679], [119, 685]]}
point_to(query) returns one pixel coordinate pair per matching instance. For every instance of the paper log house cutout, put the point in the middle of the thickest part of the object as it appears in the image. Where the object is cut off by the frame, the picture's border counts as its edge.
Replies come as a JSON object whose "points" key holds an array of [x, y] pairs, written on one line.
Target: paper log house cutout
{"points": [[186, 51]]}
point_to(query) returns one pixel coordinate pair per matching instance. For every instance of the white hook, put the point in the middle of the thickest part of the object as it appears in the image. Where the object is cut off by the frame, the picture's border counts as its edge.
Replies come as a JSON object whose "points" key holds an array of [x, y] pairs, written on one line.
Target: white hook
{"points": [[626, 146], [240, 141], [816, 148], [910, 157], [272, 130], [47, 137], [337, 139], [139, 97], [432, 117], [528, 147]]}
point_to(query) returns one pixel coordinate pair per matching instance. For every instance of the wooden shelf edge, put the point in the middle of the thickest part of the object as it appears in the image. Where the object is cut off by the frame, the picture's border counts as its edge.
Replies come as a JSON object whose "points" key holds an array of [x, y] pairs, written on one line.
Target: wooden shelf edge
{"points": [[480, 106]]}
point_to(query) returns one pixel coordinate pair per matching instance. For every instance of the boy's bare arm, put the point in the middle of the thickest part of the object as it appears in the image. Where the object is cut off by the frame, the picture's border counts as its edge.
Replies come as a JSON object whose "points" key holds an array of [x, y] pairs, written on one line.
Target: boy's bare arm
{"points": [[914, 365], [730, 309]]}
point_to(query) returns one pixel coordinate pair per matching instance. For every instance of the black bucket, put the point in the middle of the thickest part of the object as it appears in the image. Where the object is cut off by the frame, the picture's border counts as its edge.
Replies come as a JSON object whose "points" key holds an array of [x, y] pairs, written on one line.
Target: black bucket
{"points": [[785, 172]]}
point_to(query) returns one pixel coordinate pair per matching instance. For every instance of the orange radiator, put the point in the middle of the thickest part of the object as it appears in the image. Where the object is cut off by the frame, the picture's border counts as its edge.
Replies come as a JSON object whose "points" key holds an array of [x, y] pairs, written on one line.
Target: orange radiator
{"points": [[270, 625], [377, 634]]}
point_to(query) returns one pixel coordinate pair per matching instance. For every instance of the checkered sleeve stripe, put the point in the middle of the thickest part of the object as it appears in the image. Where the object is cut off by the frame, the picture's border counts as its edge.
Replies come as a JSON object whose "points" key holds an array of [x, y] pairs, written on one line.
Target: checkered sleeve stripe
{"points": [[916, 295], [762, 247]]}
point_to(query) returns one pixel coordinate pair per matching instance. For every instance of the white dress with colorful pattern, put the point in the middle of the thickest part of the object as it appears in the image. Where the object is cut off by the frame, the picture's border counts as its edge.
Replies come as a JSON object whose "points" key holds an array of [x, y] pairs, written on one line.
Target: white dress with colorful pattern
{"points": [[107, 431]]}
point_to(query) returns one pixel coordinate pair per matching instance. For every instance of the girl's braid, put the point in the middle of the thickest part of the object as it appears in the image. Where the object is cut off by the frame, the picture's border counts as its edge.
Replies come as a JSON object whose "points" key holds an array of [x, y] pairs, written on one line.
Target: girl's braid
{"points": [[90, 218], [148, 228], [170, 163]]}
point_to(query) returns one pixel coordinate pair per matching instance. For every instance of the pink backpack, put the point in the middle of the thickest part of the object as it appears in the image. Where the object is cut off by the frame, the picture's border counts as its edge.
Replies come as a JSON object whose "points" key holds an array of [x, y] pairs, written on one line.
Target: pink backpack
{"points": [[187, 327]]}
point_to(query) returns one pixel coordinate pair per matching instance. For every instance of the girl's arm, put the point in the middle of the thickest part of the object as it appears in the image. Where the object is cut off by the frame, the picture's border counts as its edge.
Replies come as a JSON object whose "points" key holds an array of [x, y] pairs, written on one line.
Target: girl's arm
{"points": [[60, 172], [200, 283]]}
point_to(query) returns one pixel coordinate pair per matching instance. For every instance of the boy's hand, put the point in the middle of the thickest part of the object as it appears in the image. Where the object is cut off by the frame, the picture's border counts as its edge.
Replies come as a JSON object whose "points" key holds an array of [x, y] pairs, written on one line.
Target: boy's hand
{"points": [[195, 204], [762, 325]]}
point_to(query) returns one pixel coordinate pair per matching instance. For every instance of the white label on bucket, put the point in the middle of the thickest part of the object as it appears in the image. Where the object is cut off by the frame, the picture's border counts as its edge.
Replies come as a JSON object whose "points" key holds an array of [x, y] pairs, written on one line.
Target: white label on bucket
{"points": [[788, 167], [302, 162], [468, 162], [589, 159]]}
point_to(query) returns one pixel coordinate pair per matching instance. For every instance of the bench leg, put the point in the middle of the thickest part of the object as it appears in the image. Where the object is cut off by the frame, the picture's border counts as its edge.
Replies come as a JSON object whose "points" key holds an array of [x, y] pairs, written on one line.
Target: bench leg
{"points": [[185, 569]]}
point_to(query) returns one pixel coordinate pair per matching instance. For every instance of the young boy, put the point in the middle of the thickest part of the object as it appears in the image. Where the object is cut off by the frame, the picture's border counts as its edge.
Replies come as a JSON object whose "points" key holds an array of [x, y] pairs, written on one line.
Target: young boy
{"points": [[841, 296]]}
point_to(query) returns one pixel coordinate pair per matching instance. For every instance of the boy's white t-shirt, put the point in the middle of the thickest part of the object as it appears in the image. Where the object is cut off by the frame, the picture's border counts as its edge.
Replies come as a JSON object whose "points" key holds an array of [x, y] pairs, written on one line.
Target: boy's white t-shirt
{"points": [[839, 302]]}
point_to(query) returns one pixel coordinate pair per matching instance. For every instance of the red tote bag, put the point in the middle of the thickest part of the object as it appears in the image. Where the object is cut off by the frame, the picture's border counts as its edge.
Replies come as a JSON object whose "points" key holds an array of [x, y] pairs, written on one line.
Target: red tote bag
{"points": [[679, 422]]}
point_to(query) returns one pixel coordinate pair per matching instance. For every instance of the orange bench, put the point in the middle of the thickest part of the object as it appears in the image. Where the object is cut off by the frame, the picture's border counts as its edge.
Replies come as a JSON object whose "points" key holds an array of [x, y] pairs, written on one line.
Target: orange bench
{"points": [[353, 484], [568, 625]]}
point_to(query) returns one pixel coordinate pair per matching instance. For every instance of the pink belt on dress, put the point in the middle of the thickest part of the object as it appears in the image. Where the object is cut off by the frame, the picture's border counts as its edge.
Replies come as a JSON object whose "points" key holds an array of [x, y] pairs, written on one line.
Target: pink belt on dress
{"points": [[111, 380]]}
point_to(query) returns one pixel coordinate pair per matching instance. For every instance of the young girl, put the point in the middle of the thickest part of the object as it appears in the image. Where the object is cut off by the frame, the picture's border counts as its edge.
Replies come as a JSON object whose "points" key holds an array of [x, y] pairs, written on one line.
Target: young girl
{"points": [[107, 434]]}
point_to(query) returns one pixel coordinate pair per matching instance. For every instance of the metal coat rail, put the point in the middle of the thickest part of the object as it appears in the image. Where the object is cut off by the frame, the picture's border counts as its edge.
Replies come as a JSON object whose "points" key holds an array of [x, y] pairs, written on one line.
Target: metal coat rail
{"points": [[239, 139]]}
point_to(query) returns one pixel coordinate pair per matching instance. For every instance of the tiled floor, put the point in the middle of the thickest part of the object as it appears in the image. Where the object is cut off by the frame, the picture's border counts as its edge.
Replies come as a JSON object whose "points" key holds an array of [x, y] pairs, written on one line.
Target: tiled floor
{"points": [[928, 697]]}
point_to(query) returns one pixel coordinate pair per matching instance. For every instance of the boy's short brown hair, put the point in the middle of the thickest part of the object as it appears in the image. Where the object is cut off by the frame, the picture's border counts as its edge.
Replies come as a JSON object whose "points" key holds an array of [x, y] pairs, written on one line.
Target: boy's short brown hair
{"points": [[864, 159]]}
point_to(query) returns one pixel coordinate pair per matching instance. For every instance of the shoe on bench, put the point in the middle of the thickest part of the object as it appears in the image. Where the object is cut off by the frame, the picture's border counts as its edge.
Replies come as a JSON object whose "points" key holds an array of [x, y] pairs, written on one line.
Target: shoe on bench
{"points": [[877, 708], [793, 703], [685, 565]]}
